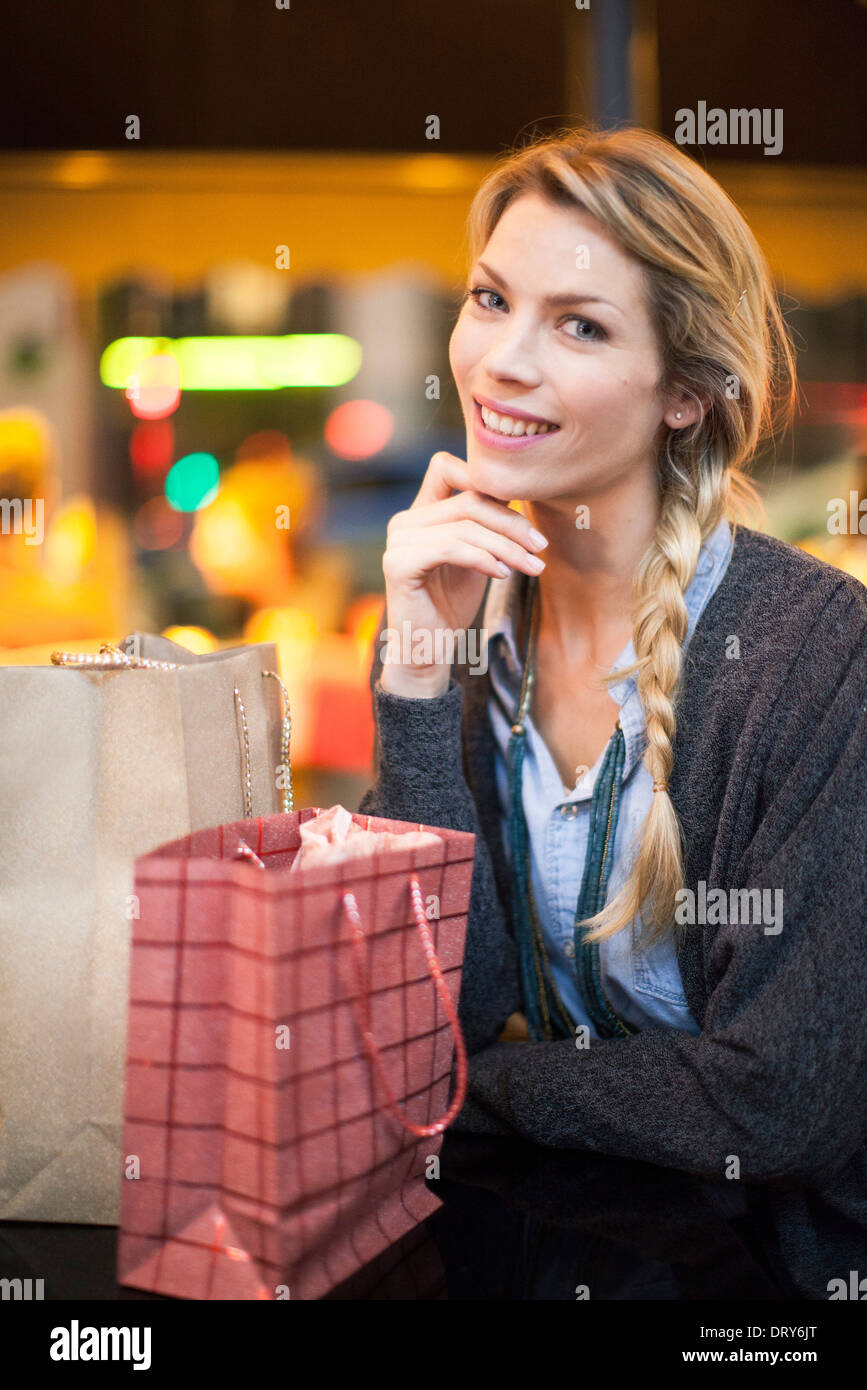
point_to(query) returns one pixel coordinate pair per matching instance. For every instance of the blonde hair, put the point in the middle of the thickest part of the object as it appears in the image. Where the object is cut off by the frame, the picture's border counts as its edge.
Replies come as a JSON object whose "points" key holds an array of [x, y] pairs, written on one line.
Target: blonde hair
{"points": [[723, 341]]}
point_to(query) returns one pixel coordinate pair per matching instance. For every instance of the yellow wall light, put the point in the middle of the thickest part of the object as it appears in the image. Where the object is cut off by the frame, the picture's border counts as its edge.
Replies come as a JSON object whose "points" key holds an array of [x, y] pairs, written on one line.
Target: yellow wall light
{"points": [[239, 363]]}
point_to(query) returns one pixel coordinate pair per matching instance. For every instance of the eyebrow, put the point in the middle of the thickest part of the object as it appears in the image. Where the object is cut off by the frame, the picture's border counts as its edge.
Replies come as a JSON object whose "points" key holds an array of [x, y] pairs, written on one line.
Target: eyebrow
{"points": [[554, 300]]}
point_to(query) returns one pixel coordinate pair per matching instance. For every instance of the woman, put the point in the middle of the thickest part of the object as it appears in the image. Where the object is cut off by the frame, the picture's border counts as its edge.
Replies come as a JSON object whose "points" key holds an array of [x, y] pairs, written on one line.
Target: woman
{"points": [[666, 711]]}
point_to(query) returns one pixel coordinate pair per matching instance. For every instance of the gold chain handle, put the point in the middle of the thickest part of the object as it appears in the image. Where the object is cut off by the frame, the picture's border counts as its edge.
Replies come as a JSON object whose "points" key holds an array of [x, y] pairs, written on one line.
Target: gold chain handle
{"points": [[288, 795], [111, 656]]}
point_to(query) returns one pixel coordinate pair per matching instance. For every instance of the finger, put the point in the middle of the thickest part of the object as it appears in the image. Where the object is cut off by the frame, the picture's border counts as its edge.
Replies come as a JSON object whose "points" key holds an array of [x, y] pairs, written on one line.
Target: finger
{"points": [[445, 473], [403, 563], [473, 506], [502, 547], [498, 516], [515, 1029]]}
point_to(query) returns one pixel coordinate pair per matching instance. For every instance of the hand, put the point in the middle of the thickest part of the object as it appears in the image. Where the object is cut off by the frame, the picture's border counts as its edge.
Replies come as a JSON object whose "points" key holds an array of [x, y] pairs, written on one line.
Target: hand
{"points": [[439, 555], [515, 1029]]}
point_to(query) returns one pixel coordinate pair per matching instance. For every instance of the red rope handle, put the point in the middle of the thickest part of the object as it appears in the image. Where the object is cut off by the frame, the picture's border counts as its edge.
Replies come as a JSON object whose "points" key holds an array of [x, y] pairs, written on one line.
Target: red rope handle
{"points": [[363, 1009]]}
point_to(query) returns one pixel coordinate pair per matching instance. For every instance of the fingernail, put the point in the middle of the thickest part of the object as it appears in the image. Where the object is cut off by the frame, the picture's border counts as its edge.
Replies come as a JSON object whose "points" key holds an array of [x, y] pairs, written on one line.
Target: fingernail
{"points": [[535, 563], [539, 541]]}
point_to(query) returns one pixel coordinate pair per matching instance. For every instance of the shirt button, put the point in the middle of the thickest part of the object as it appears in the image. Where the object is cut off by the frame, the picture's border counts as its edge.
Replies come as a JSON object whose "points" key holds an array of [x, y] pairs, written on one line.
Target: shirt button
{"points": [[569, 949], [570, 811]]}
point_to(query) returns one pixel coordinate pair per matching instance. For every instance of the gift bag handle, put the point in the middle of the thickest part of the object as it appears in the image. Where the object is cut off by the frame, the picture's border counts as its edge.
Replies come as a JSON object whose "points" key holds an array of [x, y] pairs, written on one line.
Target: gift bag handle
{"points": [[442, 989], [110, 655], [287, 797]]}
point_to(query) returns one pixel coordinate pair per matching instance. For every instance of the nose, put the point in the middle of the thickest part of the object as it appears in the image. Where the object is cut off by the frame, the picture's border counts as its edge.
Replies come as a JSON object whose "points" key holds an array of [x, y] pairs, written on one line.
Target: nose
{"points": [[513, 356]]}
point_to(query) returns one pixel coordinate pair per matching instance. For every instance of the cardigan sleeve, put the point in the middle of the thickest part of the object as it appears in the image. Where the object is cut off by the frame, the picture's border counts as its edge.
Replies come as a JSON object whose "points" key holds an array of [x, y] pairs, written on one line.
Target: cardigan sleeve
{"points": [[419, 777], [778, 1076]]}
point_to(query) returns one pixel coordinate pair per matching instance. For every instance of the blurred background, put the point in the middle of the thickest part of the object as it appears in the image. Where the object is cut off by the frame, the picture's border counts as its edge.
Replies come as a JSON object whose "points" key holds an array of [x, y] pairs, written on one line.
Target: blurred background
{"points": [[231, 253]]}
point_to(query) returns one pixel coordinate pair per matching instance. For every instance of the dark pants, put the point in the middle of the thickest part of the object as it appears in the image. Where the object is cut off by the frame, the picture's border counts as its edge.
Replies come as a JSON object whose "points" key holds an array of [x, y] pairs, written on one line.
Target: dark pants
{"points": [[493, 1251]]}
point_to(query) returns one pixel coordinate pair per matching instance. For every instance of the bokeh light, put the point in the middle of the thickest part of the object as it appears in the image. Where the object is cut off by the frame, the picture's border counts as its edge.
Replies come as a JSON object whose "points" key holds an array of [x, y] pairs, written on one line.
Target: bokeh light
{"points": [[264, 444], [195, 639], [193, 482], [153, 389], [151, 447], [359, 429], [70, 542], [243, 543], [227, 542], [157, 526], [29, 448], [236, 363], [364, 618], [295, 632]]}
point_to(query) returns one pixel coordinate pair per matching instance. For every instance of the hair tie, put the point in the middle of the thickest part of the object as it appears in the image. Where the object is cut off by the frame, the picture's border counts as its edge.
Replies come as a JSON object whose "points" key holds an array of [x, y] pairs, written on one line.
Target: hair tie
{"points": [[660, 786]]}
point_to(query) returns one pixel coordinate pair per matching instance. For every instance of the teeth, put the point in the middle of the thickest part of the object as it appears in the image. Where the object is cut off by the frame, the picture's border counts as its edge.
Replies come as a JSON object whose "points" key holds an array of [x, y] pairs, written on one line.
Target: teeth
{"points": [[508, 424]]}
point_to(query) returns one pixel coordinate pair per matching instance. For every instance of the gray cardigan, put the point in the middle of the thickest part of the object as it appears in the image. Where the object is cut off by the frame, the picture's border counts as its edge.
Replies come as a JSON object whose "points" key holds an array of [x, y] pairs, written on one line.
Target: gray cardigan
{"points": [[769, 782]]}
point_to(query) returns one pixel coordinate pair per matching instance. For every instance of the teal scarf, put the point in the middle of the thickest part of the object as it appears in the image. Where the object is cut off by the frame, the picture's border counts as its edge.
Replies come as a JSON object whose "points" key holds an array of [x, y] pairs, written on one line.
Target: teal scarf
{"points": [[545, 1012]]}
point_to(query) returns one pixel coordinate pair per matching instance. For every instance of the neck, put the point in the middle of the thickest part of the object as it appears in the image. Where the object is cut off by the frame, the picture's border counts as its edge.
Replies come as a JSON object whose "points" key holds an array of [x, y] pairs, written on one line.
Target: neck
{"points": [[585, 590]]}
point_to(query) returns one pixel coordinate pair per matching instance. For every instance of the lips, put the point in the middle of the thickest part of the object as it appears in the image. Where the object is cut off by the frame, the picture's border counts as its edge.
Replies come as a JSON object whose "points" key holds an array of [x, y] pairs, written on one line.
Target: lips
{"points": [[514, 412], [494, 439]]}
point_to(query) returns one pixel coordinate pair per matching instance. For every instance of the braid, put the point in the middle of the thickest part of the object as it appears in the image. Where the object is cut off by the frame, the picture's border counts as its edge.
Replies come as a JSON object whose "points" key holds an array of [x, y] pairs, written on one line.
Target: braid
{"points": [[660, 622]]}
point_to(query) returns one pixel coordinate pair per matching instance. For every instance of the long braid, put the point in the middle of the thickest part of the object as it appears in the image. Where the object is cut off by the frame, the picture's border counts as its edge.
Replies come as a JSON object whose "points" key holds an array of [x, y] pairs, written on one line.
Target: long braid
{"points": [[688, 515]]}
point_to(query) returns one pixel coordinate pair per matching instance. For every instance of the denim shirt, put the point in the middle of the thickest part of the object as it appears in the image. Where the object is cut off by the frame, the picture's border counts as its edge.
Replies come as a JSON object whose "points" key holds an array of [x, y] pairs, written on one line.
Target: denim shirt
{"points": [[642, 984]]}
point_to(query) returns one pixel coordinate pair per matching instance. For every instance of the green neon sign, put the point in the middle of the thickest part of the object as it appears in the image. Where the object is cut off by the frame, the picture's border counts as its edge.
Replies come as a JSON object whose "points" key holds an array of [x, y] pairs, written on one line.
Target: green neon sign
{"points": [[239, 363]]}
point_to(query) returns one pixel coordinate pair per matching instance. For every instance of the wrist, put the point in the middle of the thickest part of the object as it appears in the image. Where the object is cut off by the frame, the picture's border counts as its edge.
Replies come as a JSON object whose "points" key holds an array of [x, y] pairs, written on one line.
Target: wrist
{"points": [[415, 682]]}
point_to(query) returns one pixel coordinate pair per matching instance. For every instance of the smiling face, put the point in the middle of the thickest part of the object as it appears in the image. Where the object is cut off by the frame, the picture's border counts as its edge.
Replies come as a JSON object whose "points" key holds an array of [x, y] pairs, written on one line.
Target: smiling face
{"points": [[588, 363]]}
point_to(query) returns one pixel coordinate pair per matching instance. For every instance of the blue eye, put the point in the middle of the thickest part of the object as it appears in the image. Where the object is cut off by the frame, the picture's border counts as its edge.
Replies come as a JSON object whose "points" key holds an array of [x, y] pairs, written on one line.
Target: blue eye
{"points": [[475, 294], [596, 335]]}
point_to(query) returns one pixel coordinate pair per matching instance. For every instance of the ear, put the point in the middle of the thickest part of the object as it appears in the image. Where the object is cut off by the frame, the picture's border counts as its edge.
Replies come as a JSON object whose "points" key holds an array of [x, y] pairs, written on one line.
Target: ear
{"points": [[683, 409]]}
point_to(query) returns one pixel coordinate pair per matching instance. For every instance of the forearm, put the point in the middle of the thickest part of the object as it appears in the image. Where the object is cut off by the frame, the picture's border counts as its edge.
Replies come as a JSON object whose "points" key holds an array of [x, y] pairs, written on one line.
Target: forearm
{"points": [[419, 761], [680, 1101], [420, 779]]}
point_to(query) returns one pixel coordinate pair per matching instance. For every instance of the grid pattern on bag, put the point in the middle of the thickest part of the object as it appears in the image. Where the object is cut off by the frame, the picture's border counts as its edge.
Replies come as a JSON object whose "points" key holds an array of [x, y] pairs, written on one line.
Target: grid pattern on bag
{"points": [[411, 1270], [261, 1165]]}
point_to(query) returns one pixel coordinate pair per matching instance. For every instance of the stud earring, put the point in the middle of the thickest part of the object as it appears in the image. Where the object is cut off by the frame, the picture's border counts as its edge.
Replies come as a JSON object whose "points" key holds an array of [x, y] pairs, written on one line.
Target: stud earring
{"points": [[678, 415]]}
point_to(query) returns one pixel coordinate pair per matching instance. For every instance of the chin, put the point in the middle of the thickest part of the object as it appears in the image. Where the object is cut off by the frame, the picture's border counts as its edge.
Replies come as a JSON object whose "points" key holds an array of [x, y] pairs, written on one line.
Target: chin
{"points": [[498, 478]]}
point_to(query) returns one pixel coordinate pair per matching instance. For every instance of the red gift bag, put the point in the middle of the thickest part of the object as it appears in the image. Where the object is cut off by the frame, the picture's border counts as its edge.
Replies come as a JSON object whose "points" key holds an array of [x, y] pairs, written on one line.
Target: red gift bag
{"points": [[289, 1053]]}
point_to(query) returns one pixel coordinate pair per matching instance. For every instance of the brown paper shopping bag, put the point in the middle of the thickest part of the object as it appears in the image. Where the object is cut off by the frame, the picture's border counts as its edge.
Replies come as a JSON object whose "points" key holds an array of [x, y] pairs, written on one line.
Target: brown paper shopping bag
{"points": [[100, 762]]}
